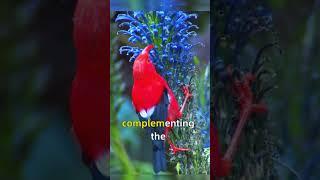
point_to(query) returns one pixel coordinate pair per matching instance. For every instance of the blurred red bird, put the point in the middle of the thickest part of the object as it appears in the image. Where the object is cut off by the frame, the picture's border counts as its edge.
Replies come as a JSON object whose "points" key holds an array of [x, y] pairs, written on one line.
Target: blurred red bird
{"points": [[89, 96], [153, 99], [220, 167]]}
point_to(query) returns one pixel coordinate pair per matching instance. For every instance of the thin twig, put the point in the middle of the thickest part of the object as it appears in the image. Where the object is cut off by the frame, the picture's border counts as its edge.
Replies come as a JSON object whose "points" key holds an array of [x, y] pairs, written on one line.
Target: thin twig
{"points": [[288, 167]]}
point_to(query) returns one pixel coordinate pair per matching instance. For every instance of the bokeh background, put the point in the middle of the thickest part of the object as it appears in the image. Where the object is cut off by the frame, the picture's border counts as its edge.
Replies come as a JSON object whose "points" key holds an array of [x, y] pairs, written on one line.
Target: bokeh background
{"points": [[38, 62]]}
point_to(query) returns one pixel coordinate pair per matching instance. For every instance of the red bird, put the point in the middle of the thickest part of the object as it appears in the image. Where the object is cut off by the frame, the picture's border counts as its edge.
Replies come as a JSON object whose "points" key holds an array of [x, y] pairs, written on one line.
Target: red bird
{"points": [[153, 99], [89, 97], [220, 167]]}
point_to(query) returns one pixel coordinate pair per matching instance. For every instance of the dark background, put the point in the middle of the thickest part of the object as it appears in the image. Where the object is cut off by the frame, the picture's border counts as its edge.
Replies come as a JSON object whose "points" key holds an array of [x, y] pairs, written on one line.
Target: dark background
{"points": [[37, 67]]}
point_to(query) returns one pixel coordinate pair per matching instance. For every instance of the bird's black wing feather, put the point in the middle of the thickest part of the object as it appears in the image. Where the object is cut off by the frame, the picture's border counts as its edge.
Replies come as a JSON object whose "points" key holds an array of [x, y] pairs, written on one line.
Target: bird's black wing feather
{"points": [[158, 146]]}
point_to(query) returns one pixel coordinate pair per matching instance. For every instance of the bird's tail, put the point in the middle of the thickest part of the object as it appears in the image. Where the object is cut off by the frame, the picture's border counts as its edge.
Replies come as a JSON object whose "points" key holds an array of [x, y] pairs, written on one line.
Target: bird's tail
{"points": [[99, 168], [96, 174], [159, 156]]}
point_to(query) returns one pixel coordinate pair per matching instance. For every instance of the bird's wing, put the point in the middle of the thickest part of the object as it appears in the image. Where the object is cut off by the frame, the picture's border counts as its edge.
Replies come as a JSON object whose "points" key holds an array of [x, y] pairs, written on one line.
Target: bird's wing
{"points": [[160, 113], [146, 94]]}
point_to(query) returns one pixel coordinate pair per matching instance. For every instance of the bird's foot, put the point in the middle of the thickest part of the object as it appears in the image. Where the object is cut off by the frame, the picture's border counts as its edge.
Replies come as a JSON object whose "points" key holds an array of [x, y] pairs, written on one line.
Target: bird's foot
{"points": [[187, 94], [186, 91], [175, 149]]}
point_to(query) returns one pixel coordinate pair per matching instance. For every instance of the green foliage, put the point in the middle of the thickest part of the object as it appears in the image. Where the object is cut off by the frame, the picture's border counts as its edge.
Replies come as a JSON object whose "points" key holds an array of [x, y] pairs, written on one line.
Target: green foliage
{"points": [[118, 152], [196, 161]]}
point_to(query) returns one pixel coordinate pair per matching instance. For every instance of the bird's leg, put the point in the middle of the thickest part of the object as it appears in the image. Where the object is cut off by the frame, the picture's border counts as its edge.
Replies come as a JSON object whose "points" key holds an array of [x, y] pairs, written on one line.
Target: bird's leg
{"points": [[244, 116], [242, 90], [187, 95], [236, 136], [174, 148]]}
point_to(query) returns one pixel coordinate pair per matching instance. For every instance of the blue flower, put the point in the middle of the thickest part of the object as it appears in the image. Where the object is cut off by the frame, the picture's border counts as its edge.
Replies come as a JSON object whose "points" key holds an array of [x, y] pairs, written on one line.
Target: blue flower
{"points": [[169, 31]]}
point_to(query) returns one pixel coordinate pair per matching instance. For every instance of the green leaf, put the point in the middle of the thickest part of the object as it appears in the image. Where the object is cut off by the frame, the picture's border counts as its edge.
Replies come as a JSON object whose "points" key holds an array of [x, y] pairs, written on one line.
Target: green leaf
{"points": [[196, 60]]}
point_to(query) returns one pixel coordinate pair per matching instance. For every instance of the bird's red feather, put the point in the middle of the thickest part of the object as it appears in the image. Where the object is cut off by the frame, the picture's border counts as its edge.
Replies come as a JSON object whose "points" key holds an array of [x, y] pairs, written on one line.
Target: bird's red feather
{"points": [[220, 167], [149, 86], [89, 97]]}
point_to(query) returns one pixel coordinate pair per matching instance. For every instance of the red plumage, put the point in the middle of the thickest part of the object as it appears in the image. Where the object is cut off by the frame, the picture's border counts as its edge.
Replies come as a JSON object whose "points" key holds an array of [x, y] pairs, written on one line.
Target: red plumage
{"points": [[149, 86], [153, 99], [150, 101], [89, 97], [220, 167]]}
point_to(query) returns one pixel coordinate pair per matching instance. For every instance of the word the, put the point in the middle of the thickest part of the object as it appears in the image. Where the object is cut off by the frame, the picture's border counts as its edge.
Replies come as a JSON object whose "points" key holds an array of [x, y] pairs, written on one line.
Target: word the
{"points": [[156, 136]]}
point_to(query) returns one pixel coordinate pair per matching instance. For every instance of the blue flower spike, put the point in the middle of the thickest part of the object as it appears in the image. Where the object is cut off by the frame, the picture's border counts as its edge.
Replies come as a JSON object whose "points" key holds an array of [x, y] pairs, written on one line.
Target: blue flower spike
{"points": [[170, 32]]}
